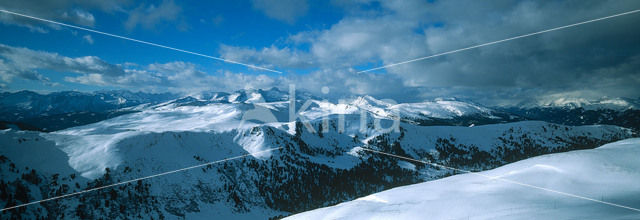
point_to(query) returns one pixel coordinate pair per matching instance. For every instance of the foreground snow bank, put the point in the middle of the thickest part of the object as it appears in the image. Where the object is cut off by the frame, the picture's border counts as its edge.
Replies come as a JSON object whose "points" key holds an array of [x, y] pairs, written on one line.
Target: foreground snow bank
{"points": [[609, 173]]}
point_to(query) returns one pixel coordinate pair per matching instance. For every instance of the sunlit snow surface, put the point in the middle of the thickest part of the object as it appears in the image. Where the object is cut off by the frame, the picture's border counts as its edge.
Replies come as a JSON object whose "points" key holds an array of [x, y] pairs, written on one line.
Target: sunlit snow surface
{"points": [[92, 148], [610, 173]]}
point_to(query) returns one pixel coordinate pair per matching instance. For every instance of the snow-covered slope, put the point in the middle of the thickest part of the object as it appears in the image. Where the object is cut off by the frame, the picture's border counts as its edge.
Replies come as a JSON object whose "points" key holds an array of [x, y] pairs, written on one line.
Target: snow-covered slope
{"points": [[608, 173]]}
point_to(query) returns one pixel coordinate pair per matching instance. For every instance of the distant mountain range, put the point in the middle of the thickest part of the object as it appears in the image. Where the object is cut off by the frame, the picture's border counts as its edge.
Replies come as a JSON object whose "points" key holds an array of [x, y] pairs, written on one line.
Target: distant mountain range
{"points": [[618, 104], [59, 110], [55, 111], [617, 111]]}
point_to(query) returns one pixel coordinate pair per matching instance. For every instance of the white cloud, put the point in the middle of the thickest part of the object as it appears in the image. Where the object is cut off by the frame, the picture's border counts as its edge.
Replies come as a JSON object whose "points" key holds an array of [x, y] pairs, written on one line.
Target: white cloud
{"points": [[283, 10], [25, 63], [217, 20], [180, 77], [8, 72], [79, 12], [72, 11], [150, 16], [88, 38], [80, 17], [269, 56], [88, 79]]}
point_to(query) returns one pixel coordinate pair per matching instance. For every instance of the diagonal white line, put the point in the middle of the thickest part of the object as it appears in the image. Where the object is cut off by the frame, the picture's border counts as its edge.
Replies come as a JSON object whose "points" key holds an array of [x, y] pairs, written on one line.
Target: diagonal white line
{"points": [[504, 180], [140, 41], [499, 41], [138, 179]]}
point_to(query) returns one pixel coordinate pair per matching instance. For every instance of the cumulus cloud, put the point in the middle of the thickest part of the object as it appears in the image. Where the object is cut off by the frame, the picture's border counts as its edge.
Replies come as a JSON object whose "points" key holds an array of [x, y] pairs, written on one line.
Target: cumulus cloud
{"points": [[593, 60], [283, 10], [80, 17], [179, 77], [270, 57], [8, 72]]}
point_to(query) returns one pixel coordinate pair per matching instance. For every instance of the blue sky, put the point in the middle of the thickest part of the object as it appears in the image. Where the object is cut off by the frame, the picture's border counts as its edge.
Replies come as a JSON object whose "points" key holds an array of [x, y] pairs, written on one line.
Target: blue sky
{"points": [[325, 43]]}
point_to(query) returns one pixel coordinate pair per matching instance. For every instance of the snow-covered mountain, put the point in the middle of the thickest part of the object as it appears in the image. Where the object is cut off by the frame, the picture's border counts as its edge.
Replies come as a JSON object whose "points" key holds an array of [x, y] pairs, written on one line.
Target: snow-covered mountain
{"points": [[614, 111], [608, 173], [439, 111], [618, 104], [60, 110], [55, 111], [311, 170], [246, 96], [28, 104]]}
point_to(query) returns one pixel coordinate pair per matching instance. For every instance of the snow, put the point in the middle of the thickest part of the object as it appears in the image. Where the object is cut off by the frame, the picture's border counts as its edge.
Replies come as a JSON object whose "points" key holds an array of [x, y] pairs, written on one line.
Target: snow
{"points": [[253, 142], [370, 104], [618, 104], [487, 136], [439, 108], [355, 151], [321, 109], [255, 97], [94, 147], [222, 211], [406, 165], [608, 173]]}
